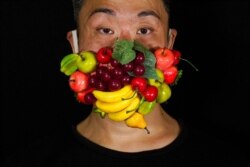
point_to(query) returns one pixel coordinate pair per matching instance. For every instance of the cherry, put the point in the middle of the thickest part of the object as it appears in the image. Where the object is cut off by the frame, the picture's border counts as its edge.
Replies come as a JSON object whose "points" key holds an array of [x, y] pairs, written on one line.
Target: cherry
{"points": [[139, 83], [151, 93], [104, 55]]}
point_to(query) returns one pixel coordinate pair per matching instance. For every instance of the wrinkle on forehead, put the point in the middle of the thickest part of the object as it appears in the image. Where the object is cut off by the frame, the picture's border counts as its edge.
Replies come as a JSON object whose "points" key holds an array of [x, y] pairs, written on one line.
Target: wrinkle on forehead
{"points": [[120, 8]]}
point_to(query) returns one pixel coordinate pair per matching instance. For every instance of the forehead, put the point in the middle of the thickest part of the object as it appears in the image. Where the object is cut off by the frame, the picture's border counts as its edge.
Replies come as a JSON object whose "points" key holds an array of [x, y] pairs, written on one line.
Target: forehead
{"points": [[121, 7]]}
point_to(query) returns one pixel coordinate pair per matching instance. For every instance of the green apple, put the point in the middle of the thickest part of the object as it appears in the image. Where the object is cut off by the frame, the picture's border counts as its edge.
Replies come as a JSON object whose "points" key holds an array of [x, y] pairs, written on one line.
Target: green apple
{"points": [[160, 79], [164, 93], [86, 62]]}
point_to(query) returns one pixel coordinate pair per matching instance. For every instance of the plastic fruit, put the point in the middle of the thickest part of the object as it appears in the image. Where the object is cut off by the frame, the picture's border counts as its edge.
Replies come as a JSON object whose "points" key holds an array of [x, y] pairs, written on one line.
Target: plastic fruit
{"points": [[159, 81], [115, 106], [104, 55], [164, 58], [139, 83], [80, 96], [114, 96], [68, 64], [127, 112], [170, 74], [78, 81], [151, 93], [164, 93], [146, 107], [137, 121], [86, 62]]}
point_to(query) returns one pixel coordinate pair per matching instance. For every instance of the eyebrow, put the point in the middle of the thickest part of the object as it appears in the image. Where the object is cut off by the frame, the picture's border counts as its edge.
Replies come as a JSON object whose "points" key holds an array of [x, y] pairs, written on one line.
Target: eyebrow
{"points": [[148, 13], [111, 12], [103, 10]]}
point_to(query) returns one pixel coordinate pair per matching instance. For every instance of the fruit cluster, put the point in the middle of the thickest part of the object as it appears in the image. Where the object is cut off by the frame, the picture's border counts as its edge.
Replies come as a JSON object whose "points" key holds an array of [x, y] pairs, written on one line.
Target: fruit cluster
{"points": [[123, 82]]}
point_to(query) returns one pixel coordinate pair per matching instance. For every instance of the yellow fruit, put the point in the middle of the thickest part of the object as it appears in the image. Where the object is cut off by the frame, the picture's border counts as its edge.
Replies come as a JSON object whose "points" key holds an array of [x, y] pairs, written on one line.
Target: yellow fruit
{"points": [[127, 112], [137, 121], [113, 96], [115, 106]]}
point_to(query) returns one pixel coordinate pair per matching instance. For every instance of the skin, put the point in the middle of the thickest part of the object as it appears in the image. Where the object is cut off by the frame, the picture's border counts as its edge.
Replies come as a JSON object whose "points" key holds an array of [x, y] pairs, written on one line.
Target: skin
{"points": [[146, 21]]}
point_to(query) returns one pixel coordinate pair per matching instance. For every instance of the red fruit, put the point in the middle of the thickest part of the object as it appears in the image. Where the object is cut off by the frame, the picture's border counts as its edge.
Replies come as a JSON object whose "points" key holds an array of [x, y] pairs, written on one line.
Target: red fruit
{"points": [[89, 98], [170, 74], [80, 96], [177, 56], [164, 58], [139, 83], [78, 81], [104, 55], [151, 93]]}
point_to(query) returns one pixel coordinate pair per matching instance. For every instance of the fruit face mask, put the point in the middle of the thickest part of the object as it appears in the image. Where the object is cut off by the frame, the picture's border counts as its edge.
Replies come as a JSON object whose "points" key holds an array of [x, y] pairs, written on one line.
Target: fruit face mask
{"points": [[123, 82]]}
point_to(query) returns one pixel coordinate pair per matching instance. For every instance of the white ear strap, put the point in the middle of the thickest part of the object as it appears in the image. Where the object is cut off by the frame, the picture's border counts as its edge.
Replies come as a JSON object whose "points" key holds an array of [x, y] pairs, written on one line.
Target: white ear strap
{"points": [[75, 41], [169, 31]]}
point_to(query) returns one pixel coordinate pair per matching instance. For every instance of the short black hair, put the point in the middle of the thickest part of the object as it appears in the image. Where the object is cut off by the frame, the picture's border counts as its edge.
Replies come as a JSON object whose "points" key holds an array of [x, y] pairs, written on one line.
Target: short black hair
{"points": [[77, 5]]}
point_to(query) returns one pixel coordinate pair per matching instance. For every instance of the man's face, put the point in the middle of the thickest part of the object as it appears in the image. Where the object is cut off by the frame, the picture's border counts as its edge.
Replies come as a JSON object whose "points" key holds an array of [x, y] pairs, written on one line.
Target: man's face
{"points": [[103, 21]]}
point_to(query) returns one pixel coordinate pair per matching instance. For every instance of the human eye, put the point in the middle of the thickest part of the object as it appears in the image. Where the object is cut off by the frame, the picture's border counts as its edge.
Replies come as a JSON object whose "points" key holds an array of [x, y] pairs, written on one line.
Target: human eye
{"points": [[105, 31], [144, 31]]}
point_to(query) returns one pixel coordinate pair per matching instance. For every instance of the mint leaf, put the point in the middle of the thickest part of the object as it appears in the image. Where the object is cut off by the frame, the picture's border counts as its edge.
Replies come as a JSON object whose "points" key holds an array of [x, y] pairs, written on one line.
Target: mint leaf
{"points": [[123, 51]]}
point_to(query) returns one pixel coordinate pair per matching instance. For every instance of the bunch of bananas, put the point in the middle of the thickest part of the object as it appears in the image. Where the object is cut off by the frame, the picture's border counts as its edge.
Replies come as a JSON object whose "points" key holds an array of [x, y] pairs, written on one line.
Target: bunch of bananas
{"points": [[125, 105]]}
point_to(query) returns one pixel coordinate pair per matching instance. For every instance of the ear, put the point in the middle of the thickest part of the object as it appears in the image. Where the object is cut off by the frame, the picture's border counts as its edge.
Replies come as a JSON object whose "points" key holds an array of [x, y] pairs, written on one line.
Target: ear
{"points": [[171, 38], [72, 38]]}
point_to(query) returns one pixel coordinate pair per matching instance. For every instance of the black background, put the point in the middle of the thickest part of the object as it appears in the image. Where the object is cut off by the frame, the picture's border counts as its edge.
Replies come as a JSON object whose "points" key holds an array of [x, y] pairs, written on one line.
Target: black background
{"points": [[36, 100]]}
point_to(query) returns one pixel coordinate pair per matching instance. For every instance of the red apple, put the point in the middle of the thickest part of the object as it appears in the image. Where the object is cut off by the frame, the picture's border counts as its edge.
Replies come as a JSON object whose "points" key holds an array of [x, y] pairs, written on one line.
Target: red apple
{"points": [[170, 74], [164, 58], [78, 81], [104, 55]]}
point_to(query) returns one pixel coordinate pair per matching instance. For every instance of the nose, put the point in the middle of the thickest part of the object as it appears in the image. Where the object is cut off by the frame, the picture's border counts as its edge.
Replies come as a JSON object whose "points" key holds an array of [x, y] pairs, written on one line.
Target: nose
{"points": [[126, 34]]}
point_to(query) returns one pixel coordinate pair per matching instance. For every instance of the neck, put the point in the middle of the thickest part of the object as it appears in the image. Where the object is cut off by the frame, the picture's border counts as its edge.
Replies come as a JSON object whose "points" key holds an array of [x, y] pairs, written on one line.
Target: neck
{"points": [[108, 133]]}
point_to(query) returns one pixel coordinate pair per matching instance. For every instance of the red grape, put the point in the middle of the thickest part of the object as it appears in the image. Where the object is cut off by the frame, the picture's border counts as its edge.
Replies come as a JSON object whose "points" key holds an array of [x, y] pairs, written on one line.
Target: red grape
{"points": [[100, 85], [126, 79], [139, 70], [139, 59], [105, 76], [89, 98], [117, 72], [114, 84], [93, 79], [128, 67]]}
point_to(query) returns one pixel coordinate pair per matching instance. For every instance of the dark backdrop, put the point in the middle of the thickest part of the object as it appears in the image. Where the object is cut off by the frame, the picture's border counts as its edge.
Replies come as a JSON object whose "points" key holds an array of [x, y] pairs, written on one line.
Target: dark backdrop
{"points": [[36, 100]]}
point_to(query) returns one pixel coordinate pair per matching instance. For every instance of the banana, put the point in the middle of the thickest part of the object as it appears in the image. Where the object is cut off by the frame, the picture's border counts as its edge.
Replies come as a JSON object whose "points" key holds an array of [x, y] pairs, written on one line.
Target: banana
{"points": [[146, 107], [127, 112], [137, 121], [113, 96], [115, 106], [68, 64]]}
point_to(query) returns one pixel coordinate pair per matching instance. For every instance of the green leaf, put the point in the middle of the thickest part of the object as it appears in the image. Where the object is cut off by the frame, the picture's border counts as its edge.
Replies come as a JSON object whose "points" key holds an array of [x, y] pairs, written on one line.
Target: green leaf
{"points": [[179, 75], [150, 73], [123, 51]]}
